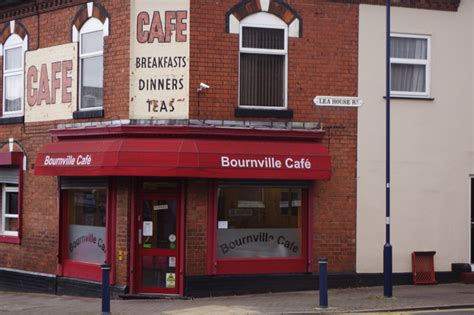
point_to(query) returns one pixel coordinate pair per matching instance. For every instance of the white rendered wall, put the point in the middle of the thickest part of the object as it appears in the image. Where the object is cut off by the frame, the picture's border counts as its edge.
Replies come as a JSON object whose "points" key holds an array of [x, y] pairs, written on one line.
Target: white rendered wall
{"points": [[431, 143]]}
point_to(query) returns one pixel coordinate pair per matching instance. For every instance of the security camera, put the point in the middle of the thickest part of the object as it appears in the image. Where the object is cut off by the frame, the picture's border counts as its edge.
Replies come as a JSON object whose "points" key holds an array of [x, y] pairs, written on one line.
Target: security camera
{"points": [[202, 87]]}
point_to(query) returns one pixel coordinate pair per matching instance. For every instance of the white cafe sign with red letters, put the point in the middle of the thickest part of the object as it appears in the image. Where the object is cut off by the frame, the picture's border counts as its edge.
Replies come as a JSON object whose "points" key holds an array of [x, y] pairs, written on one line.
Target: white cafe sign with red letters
{"points": [[51, 83], [159, 59]]}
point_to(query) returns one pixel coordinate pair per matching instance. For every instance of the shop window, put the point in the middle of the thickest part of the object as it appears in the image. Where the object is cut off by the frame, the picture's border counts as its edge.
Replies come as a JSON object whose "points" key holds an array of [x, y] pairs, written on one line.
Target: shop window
{"points": [[91, 65], [13, 73], [86, 225], [261, 228], [410, 65], [84, 239], [263, 62], [10, 201]]}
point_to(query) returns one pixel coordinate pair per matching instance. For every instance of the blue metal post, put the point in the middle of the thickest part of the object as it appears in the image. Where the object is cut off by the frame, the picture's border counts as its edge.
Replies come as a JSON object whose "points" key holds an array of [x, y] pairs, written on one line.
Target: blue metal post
{"points": [[387, 249], [105, 289], [323, 282]]}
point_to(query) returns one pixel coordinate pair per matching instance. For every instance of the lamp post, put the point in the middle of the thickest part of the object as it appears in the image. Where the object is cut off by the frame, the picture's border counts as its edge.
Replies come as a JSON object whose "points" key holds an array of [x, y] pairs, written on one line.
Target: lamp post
{"points": [[387, 249]]}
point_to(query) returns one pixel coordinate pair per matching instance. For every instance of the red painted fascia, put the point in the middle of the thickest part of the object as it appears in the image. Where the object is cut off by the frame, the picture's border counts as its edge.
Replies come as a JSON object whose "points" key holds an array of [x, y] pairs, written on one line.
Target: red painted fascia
{"points": [[190, 132]]}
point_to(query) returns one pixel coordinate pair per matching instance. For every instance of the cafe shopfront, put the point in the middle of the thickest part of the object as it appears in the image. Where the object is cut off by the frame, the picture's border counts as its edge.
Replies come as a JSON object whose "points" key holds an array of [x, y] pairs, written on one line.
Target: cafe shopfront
{"points": [[166, 203]]}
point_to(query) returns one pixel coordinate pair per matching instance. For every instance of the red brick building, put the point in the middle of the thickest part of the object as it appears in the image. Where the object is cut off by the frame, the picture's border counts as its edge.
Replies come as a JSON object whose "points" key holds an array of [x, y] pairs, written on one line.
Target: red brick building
{"points": [[179, 142]]}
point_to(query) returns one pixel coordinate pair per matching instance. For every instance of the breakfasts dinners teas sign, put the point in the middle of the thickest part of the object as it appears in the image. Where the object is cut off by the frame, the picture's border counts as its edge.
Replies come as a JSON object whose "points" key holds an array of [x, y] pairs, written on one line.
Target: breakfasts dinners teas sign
{"points": [[159, 63]]}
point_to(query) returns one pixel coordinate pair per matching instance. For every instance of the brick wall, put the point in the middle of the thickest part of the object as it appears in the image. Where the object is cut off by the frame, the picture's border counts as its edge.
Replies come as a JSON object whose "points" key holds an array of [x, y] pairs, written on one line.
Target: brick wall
{"points": [[322, 62], [37, 251], [122, 228], [196, 227]]}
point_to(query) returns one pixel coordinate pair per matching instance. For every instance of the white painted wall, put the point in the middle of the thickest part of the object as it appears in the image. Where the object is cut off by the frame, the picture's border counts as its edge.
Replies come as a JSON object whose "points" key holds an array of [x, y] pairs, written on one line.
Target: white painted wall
{"points": [[432, 143]]}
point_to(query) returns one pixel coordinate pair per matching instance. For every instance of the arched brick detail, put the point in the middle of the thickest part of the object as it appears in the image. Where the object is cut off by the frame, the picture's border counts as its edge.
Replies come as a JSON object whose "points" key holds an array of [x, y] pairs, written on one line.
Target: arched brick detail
{"points": [[19, 29], [246, 8], [278, 8], [283, 11], [98, 11]]}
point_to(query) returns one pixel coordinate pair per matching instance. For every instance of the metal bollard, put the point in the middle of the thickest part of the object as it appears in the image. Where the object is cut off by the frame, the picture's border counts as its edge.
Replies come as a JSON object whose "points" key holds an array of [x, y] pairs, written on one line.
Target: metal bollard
{"points": [[105, 289], [323, 282]]}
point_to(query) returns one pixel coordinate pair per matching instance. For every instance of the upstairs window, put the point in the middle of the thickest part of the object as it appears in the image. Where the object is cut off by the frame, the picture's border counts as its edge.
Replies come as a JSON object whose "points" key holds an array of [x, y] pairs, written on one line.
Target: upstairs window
{"points": [[410, 65], [13, 69], [263, 62], [91, 56]]}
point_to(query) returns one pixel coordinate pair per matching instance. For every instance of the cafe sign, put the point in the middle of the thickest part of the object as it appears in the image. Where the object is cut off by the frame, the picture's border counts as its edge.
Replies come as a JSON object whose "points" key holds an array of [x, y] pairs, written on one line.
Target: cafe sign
{"points": [[159, 63], [51, 83]]}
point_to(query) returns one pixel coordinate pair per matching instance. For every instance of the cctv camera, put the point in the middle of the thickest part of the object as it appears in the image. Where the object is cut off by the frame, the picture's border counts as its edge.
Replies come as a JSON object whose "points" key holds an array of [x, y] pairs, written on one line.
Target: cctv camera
{"points": [[202, 86]]}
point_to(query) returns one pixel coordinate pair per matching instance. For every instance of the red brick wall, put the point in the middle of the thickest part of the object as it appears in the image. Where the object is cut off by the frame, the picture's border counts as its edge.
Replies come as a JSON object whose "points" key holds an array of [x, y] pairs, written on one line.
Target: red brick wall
{"points": [[322, 62], [196, 227], [122, 227], [37, 251]]}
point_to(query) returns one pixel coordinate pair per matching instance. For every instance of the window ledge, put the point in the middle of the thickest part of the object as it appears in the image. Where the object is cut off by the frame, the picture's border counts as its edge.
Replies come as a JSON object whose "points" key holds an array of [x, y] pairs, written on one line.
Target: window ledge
{"points": [[81, 114], [263, 113], [422, 98], [12, 120], [9, 239]]}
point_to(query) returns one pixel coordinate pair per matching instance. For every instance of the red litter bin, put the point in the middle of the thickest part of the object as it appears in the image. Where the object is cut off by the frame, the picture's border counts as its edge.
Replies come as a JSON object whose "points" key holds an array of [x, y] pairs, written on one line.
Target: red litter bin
{"points": [[423, 267]]}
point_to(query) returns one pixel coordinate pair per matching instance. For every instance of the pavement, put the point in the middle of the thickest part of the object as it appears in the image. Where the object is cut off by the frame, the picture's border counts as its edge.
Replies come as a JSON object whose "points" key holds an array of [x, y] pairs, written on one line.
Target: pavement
{"points": [[455, 298]]}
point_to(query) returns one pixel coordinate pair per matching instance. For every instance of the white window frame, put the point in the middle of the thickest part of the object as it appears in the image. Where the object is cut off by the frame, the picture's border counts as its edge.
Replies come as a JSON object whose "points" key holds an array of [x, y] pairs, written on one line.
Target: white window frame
{"points": [[265, 20], [14, 41], [7, 189], [426, 62], [90, 26]]}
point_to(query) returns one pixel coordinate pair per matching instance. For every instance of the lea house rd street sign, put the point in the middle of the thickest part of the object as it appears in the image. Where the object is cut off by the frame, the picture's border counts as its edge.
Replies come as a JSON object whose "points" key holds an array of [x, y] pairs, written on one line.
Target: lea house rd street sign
{"points": [[337, 101]]}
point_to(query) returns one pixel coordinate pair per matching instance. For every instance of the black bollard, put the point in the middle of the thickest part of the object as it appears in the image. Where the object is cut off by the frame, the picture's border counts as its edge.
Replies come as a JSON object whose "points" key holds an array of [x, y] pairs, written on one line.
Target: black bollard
{"points": [[323, 282], [105, 289]]}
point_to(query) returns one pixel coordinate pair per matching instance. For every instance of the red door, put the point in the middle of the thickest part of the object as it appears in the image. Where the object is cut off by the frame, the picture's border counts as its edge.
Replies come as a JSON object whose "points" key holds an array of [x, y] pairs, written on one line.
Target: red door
{"points": [[158, 243]]}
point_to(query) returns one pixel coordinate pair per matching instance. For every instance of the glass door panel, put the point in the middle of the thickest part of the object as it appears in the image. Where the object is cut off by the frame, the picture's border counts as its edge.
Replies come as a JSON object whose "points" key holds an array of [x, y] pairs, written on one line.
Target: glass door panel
{"points": [[158, 245]]}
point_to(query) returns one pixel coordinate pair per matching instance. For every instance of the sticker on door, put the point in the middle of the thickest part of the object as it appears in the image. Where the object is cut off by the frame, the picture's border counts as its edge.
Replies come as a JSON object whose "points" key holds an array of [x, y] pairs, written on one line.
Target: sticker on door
{"points": [[170, 280]]}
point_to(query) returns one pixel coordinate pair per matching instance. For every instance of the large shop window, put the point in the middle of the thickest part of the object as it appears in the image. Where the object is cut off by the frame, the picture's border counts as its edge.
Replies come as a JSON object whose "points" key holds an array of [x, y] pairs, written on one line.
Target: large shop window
{"points": [[84, 237], [13, 69], [9, 180], [91, 55], [258, 224], [263, 62], [410, 65]]}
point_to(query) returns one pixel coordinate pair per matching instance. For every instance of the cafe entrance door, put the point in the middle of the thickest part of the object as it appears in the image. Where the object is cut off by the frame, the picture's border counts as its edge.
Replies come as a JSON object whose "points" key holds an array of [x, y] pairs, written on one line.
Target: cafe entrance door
{"points": [[158, 243]]}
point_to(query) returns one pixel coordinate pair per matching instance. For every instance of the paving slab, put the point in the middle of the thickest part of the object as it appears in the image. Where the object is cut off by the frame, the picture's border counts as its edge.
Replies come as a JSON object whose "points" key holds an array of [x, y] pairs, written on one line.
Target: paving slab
{"points": [[341, 301]]}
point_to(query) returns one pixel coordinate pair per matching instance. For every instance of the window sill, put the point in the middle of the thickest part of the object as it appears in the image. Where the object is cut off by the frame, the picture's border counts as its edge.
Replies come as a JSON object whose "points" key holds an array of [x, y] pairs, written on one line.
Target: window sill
{"points": [[82, 114], [263, 113], [400, 97], [9, 239], [12, 120]]}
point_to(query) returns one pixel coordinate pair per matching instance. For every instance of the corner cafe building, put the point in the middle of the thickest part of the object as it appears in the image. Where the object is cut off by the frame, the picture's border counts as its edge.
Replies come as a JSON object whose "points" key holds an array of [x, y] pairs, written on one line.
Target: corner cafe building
{"points": [[189, 211]]}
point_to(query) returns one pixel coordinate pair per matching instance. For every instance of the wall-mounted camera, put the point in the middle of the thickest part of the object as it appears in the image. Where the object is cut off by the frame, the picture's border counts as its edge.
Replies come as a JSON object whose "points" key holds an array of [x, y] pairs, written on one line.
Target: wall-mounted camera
{"points": [[202, 87]]}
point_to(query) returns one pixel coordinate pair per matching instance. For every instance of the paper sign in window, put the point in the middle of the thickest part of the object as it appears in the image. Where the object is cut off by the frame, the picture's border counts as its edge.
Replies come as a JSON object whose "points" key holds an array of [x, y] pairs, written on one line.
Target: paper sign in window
{"points": [[160, 207], [222, 225], [147, 228], [172, 261]]}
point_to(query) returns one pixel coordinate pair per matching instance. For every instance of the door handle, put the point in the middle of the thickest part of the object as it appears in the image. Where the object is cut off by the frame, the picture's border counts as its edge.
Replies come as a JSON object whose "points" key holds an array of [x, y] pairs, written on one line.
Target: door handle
{"points": [[139, 236]]}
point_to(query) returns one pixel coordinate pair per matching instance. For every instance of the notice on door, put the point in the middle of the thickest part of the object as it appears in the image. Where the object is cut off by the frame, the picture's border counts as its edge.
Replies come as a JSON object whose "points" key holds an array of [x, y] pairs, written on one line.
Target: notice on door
{"points": [[172, 261], [147, 228], [170, 280]]}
